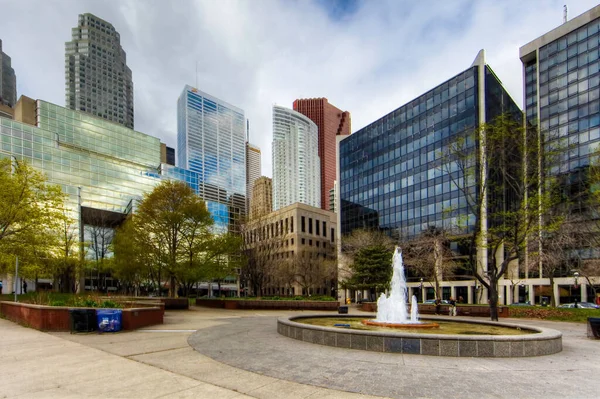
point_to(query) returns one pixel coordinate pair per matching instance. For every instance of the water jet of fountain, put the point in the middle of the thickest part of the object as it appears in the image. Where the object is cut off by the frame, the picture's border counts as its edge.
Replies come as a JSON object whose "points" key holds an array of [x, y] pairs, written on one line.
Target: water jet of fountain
{"points": [[393, 308]]}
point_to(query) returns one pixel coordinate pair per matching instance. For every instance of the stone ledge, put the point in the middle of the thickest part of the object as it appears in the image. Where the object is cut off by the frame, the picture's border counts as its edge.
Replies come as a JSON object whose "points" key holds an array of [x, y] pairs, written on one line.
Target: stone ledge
{"points": [[544, 342]]}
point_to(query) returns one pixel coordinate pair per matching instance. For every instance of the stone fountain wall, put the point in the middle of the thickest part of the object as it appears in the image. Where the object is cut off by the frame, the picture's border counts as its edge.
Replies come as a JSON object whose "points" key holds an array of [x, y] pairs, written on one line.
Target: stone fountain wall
{"points": [[543, 342]]}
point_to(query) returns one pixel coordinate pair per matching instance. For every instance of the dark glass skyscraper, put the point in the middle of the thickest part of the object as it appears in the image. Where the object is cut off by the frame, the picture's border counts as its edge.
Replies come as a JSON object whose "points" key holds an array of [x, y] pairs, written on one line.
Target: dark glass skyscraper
{"points": [[562, 90], [391, 172], [8, 80]]}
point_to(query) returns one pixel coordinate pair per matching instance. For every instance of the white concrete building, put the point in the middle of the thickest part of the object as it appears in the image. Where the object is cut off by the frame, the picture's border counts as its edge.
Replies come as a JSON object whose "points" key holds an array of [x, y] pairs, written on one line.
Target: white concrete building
{"points": [[296, 164]]}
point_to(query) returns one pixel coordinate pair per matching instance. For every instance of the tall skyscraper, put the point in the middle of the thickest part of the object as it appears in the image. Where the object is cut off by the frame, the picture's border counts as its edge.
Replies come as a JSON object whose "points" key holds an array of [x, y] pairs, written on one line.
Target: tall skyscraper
{"points": [[98, 80], [262, 197], [253, 170], [8, 80], [562, 94], [331, 122], [211, 141], [296, 166]]}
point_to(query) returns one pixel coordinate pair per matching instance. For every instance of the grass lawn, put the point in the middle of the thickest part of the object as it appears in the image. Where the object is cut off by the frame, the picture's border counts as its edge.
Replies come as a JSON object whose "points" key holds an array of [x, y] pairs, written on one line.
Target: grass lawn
{"points": [[549, 313]]}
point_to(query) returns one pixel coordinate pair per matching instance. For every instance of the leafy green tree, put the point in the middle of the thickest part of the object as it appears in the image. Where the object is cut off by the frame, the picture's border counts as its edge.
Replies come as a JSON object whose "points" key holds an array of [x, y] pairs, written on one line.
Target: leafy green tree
{"points": [[30, 210], [170, 236], [132, 263], [371, 269]]}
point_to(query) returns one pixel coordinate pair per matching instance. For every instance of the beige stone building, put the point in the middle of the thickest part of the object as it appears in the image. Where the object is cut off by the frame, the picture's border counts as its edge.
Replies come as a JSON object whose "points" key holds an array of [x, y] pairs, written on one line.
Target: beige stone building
{"points": [[261, 203], [291, 251]]}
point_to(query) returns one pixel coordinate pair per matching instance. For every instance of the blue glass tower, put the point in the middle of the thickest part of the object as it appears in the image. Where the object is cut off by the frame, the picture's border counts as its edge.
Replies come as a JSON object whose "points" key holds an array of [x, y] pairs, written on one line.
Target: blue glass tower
{"points": [[211, 140]]}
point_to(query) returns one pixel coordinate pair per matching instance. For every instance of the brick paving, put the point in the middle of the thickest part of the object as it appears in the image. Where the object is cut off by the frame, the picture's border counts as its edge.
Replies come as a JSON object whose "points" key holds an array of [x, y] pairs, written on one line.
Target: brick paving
{"points": [[253, 344]]}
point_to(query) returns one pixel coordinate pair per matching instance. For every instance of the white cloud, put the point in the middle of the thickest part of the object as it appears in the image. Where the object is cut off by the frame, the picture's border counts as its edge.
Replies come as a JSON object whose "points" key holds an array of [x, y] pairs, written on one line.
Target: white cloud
{"points": [[253, 54]]}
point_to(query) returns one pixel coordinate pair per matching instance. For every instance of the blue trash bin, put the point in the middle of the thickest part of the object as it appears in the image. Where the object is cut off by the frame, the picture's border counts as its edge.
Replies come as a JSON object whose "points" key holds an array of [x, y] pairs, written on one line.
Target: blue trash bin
{"points": [[109, 320]]}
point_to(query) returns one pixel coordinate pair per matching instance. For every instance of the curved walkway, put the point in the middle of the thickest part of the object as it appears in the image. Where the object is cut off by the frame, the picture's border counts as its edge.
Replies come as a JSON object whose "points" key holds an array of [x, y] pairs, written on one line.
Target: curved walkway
{"points": [[253, 344], [239, 354]]}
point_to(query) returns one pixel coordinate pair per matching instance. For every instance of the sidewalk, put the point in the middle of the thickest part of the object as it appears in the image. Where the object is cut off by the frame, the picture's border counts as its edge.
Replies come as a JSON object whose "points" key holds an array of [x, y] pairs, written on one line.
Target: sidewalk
{"points": [[151, 363]]}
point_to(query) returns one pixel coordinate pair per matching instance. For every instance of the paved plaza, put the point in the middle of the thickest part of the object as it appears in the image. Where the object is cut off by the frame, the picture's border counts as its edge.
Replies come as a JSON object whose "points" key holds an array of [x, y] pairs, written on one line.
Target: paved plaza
{"points": [[235, 354]]}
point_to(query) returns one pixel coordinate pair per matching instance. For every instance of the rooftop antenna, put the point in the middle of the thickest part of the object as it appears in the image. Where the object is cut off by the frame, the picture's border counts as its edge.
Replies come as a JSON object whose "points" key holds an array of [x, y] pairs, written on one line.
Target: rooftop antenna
{"points": [[197, 73], [565, 14]]}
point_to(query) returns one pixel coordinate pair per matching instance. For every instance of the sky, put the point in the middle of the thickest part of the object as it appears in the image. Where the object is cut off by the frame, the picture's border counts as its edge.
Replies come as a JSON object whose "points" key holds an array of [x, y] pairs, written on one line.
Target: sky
{"points": [[367, 57]]}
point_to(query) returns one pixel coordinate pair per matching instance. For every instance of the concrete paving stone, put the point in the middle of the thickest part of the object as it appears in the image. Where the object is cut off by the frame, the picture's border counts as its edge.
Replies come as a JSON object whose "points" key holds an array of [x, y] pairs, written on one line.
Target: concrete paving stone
{"points": [[343, 340], [358, 342], [430, 347], [329, 339], [318, 337], [467, 348], [485, 348], [501, 349], [375, 344], [392, 345], [448, 347], [517, 348], [411, 346], [307, 335]]}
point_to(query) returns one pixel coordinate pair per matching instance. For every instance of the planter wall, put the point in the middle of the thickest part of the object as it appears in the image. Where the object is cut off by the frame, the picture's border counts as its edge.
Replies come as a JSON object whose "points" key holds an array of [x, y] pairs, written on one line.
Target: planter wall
{"points": [[267, 305], [44, 318], [135, 318], [56, 318]]}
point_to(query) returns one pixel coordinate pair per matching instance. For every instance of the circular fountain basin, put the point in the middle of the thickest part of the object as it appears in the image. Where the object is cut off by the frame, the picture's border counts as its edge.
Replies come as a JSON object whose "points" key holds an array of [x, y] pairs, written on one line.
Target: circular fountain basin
{"points": [[401, 326], [537, 342]]}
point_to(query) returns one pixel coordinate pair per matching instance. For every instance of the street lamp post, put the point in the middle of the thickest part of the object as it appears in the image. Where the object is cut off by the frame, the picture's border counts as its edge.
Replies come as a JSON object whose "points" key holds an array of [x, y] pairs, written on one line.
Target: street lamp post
{"points": [[576, 286], [421, 291]]}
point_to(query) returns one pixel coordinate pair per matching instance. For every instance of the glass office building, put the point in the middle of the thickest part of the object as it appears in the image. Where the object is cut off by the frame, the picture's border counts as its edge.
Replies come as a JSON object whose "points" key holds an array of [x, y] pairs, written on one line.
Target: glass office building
{"points": [[562, 89], [391, 172], [104, 164], [211, 141], [100, 165]]}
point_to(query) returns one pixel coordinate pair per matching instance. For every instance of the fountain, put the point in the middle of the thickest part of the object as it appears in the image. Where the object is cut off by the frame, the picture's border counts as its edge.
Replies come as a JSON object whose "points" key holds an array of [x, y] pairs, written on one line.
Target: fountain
{"points": [[435, 336], [392, 310]]}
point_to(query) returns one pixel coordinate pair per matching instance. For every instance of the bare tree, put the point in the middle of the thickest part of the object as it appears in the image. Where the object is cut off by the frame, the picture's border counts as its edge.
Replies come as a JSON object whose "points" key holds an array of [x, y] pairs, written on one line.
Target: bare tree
{"points": [[505, 194], [315, 270], [262, 247], [429, 255]]}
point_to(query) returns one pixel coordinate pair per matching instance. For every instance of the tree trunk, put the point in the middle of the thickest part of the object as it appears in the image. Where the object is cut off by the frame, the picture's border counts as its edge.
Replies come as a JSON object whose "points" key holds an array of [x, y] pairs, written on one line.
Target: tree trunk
{"points": [[493, 293], [172, 286], [552, 298]]}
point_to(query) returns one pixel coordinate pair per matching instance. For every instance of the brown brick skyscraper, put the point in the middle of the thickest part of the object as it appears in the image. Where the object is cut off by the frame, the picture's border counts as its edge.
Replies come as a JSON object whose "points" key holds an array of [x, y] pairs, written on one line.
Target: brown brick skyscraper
{"points": [[331, 122]]}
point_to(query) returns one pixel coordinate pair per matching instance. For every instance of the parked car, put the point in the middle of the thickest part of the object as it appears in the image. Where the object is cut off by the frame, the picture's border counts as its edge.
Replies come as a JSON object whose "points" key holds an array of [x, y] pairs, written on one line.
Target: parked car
{"points": [[580, 305], [521, 304], [432, 302]]}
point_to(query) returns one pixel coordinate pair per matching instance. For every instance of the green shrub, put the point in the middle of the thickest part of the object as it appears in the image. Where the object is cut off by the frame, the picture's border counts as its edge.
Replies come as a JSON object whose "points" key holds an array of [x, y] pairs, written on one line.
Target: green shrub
{"points": [[109, 304], [58, 303]]}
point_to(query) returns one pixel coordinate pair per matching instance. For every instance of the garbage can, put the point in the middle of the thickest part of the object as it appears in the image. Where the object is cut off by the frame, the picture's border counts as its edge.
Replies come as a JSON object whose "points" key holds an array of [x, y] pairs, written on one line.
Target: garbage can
{"points": [[593, 329], [109, 320], [343, 310], [82, 320]]}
